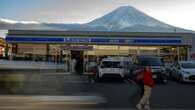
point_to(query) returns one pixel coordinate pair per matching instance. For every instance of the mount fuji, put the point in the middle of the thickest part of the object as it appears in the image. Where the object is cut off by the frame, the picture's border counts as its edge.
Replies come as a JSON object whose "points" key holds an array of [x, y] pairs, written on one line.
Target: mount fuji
{"points": [[129, 19], [122, 19]]}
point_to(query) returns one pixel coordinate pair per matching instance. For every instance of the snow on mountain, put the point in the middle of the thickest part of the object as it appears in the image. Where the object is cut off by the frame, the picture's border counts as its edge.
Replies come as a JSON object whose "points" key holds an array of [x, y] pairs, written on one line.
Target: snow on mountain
{"points": [[122, 19], [126, 17], [15, 22], [2, 20], [6, 24], [129, 19]]}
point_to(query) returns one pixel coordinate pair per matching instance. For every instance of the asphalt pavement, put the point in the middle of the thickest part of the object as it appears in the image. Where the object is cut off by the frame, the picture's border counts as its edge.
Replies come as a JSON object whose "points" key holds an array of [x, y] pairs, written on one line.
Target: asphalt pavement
{"points": [[59, 90]]}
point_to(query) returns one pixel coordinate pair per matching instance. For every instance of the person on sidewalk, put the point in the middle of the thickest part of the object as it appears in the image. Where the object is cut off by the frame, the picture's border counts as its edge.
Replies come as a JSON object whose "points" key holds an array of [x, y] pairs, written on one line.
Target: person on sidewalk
{"points": [[144, 103]]}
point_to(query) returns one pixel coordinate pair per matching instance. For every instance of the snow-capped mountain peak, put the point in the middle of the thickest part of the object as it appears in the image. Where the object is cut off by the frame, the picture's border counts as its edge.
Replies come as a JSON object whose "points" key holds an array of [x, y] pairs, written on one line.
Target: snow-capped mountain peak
{"points": [[122, 19], [126, 16]]}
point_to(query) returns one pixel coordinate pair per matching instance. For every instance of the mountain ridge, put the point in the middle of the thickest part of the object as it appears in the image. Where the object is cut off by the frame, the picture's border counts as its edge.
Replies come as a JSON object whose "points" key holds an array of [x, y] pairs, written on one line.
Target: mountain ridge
{"points": [[122, 19]]}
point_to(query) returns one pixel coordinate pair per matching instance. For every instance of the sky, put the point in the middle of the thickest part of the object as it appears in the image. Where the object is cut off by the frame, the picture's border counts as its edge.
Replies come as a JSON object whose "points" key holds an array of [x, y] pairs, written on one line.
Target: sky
{"points": [[180, 13]]}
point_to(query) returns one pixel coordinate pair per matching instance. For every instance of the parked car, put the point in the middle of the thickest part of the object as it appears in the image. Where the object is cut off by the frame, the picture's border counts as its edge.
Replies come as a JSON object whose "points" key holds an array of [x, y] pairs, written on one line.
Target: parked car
{"points": [[169, 68], [154, 62], [184, 71], [114, 66]]}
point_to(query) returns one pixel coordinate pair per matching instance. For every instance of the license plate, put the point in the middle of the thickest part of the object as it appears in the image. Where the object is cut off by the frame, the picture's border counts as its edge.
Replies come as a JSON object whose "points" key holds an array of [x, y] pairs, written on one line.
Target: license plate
{"points": [[154, 76]]}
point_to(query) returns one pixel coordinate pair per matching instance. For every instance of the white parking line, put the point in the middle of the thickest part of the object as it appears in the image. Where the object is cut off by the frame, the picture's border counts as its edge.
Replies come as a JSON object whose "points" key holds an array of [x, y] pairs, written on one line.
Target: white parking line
{"points": [[129, 81]]}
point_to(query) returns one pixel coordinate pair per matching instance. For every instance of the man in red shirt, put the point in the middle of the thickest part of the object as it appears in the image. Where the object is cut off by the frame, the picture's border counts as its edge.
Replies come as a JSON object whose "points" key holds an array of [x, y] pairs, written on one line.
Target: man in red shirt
{"points": [[148, 85]]}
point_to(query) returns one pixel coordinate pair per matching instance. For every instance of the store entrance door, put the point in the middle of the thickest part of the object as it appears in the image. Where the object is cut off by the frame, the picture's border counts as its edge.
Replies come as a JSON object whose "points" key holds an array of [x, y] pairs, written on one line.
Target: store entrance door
{"points": [[78, 56]]}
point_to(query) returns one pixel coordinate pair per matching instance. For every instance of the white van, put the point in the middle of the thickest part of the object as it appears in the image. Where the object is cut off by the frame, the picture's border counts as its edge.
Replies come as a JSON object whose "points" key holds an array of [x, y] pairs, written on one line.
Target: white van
{"points": [[114, 66]]}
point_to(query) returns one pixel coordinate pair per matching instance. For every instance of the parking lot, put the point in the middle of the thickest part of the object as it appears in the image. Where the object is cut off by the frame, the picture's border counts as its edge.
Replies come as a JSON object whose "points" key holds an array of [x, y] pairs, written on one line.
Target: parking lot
{"points": [[114, 93]]}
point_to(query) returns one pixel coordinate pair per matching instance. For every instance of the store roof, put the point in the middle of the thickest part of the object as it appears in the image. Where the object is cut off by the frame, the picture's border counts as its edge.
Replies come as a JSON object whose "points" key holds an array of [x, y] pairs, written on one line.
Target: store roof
{"points": [[93, 33]]}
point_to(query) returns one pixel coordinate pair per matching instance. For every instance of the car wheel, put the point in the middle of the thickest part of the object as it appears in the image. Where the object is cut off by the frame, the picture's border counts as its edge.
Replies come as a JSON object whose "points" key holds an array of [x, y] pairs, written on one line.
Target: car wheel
{"points": [[181, 79], [164, 78], [174, 77], [99, 78], [165, 81], [171, 77]]}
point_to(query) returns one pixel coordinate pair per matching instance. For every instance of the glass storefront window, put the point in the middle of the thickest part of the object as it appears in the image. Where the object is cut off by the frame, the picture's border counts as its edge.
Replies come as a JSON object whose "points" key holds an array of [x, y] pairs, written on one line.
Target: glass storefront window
{"points": [[183, 53], [56, 52]]}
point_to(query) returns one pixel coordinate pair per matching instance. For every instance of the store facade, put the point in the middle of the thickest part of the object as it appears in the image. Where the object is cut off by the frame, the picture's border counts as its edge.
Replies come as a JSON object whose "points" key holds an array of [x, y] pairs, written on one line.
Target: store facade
{"points": [[61, 46], [2, 48]]}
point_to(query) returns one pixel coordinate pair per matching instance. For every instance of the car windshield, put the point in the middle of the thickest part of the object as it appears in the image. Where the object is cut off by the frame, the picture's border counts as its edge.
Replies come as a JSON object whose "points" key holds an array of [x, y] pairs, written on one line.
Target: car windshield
{"points": [[150, 62], [188, 65], [109, 64]]}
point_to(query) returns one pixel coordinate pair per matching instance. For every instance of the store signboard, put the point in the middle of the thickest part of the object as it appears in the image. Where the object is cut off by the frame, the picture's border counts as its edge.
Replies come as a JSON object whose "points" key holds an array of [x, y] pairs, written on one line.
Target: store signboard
{"points": [[32, 39], [79, 48], [95, 40]]}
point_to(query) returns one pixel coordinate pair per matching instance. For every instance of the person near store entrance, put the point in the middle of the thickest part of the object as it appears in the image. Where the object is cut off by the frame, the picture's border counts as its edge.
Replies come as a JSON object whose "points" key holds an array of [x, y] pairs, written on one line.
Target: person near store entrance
{"points": [[146, 77], [79, 65], [73, 63]]}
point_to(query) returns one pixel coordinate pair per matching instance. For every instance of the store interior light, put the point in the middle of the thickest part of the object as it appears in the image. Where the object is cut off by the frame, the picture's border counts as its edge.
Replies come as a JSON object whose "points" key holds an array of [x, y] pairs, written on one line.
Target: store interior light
{"points": [[173, 49], [108, 47], [148, 48]]}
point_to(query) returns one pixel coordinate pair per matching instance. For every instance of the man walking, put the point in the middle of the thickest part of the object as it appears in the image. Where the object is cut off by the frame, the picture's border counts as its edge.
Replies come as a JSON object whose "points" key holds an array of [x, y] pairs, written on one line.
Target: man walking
{"points": [[148, 85]]}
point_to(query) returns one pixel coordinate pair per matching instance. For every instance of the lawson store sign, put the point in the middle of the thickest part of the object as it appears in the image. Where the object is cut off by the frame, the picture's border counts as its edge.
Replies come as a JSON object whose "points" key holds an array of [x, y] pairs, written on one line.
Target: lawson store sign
{"points": [[93, 40]]}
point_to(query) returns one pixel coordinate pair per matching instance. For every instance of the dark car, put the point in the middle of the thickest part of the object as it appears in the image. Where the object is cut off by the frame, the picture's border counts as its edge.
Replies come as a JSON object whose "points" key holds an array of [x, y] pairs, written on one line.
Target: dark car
{"points": [[154, 62]]}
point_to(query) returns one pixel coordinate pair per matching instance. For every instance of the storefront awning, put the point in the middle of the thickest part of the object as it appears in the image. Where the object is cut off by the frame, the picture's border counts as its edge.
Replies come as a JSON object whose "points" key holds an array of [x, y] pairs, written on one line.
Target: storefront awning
{"points": [[95, 40]]}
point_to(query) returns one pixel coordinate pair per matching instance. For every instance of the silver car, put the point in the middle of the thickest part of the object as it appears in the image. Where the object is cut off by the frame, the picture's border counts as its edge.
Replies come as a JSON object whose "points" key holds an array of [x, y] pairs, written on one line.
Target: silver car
{"points": [[184, 71]]}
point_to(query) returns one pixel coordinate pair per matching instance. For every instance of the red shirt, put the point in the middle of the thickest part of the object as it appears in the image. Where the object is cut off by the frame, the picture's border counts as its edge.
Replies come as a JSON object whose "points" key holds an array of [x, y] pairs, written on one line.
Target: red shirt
{"points": [[147, 78]]}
